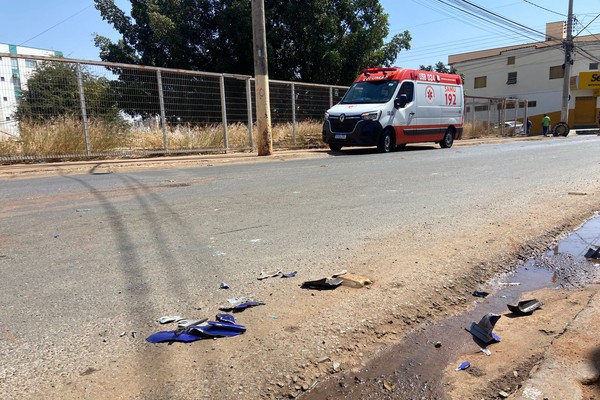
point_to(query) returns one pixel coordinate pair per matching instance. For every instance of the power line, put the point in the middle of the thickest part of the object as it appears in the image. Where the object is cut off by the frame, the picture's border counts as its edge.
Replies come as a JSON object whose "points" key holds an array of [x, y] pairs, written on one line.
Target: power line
{"points": [[55, 25], [543, 8]]}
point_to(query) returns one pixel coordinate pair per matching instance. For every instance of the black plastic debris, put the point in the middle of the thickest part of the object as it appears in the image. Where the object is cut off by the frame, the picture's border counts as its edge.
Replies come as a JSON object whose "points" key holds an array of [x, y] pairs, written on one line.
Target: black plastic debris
{"points": [[223, 285], [322, 284], [591, 253], [483, 329], [525, 307], [478, 293]]}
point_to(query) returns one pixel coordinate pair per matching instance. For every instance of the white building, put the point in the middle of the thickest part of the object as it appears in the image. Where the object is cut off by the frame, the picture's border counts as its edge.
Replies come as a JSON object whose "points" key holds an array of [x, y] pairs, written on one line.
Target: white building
{"points": [[14, 73], [534, 72]]}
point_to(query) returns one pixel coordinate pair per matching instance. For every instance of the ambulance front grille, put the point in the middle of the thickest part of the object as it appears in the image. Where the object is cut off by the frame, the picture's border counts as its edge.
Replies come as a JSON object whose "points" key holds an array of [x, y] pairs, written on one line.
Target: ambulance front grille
{"points": [[346, 127]]}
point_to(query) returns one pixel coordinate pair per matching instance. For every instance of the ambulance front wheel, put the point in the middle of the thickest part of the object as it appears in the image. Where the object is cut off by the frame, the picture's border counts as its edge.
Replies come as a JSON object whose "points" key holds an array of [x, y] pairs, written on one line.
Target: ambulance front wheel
{"points": [[335, 147], [448, 140], [386, 143]]}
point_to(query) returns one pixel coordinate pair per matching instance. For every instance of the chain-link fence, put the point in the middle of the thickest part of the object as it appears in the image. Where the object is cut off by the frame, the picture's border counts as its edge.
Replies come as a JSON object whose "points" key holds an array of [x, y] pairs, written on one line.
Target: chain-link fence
{"points": [[492, 116], [60, 108]]}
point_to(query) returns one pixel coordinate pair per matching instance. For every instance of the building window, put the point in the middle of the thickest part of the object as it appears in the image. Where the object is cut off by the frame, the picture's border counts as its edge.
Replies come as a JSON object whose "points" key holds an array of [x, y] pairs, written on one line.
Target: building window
{"points": [[480, 82], [593, 65], [5, 98], [510, 60], [512, 78], [532, 103], [1, 79], [31, 63], [8, 118], [557, 72]]}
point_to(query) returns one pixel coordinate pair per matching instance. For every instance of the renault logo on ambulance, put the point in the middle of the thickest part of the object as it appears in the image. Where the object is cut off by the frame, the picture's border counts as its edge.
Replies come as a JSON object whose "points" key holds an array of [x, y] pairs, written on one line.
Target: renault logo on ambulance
{"points": [[342, 117]]}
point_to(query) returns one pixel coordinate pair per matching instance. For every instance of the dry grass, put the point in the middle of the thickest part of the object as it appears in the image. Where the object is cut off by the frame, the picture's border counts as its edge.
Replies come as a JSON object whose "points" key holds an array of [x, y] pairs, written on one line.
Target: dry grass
{"points": [[480, 130], [66, 137]]}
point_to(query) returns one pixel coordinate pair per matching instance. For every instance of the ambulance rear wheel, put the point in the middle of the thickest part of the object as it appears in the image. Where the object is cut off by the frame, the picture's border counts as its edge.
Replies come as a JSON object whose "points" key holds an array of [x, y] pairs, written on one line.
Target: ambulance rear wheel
{"points": [[335, 147], [448, 140], [386, 143]]}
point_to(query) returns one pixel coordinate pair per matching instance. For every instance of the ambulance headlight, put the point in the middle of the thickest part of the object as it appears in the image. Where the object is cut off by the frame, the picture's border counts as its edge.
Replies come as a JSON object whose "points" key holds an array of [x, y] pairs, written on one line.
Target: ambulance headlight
{"points": [[371, 116]]}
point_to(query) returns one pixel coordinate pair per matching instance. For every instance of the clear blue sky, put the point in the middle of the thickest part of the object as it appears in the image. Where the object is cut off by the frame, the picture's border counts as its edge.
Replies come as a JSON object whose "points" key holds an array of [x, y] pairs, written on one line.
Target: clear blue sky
{"points": [[437, 29]]}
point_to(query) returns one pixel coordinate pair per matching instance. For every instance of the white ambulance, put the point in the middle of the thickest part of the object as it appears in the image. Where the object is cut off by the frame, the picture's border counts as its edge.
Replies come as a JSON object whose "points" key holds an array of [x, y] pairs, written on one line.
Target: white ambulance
{"points": [[391, 107]]}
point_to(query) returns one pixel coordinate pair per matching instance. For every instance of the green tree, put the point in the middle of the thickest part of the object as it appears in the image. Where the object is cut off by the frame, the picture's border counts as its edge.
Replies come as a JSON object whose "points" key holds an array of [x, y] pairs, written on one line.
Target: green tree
{"points": [[439, 67], [53, 91], [320, 41]]}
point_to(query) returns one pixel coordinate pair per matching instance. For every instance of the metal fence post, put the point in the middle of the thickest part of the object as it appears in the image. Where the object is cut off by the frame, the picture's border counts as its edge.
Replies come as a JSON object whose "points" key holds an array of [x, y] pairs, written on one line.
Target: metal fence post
{"points": [[294, 113], [330, 96], [161, 100], [249, 107], [224, 111], [86, 131]]}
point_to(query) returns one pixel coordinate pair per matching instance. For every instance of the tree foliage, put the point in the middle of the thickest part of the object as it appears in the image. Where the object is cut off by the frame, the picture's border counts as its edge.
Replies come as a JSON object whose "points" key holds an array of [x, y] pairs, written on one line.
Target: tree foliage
{"points": [[320, 41], [439, 67], [53, 91]]}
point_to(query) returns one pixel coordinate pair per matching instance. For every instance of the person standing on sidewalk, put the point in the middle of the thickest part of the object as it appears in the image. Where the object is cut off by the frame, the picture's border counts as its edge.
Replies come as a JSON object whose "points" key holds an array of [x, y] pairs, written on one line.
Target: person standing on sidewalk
{"points": [[545, 124]]}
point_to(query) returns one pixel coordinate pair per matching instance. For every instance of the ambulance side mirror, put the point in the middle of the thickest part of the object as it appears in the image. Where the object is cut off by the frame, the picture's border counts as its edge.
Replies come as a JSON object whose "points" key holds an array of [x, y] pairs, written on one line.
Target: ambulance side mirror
{"points": [[400, 101]]}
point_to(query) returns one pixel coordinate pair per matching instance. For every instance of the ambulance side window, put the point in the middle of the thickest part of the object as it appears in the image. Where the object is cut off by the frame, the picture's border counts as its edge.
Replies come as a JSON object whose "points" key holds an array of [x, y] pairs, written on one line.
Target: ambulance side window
{"points": [[407, 88]]}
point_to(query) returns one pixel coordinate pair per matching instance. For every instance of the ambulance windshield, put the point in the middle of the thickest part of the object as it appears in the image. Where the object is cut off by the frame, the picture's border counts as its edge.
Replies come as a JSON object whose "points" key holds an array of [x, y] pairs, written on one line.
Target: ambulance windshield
{"points": [[367, 92]]}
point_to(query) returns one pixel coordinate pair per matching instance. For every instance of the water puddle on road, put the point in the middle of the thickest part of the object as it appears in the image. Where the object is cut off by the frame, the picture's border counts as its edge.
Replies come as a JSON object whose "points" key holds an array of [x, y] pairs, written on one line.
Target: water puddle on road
{"points": [[413, 369]]}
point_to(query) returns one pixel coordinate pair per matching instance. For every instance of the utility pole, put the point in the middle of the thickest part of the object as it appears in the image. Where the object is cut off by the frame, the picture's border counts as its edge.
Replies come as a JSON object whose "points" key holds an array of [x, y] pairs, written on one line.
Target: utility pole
{"points": [[568, 45], [261, 79]]}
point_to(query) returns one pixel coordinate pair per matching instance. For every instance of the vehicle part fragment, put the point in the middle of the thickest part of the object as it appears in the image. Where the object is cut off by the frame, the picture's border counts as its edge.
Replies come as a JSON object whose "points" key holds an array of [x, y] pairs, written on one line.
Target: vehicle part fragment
{"points": [[322, 284], [483, 329], [525, 307]]}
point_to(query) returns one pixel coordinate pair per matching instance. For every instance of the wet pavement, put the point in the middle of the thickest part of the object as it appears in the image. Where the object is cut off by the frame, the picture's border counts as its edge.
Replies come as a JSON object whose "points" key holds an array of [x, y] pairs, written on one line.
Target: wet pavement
{"points": [[414, 368]]}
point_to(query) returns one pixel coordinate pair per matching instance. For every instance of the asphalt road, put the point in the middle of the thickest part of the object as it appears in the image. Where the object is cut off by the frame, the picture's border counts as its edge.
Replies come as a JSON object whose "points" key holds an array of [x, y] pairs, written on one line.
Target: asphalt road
{"points": [[85, 254]]}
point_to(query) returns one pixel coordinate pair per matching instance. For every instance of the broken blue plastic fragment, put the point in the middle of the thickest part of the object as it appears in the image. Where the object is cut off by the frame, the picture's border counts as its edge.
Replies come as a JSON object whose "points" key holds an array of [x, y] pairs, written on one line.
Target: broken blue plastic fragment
{"points": [[172, 336], [225, 318], [242, 306], [463, 365], [213, 331], [290, 275], [228, 326], [496, 337]]}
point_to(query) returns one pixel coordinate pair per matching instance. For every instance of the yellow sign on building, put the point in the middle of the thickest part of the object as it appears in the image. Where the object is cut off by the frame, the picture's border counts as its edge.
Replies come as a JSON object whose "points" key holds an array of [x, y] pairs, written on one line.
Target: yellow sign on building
{"points": [[589, 80]]}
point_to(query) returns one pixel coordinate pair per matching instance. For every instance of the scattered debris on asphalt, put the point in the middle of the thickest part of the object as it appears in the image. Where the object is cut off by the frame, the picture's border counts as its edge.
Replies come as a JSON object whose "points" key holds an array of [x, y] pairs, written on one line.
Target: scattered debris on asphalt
{"points": [[169, 318], [485, 351], [593, 253], [223, 285], [266, 275], [478, 293], [355, 281], [463, 365], [83, 210], [337, 279], [289, 275], [322, 284], [525, 307], [483, 329], [225, 318], [242, 306], [190, 330]]}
